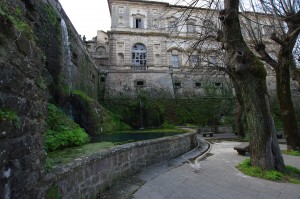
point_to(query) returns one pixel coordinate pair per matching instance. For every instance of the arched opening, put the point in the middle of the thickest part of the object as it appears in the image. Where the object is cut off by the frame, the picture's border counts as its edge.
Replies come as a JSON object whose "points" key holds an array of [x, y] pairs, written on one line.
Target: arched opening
{"points": [[101, 50], [139, 56]]}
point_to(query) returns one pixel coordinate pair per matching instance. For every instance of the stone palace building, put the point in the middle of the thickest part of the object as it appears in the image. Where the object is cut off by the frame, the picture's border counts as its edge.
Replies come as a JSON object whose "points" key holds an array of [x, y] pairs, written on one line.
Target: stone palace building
{"points": [[159, 50]]}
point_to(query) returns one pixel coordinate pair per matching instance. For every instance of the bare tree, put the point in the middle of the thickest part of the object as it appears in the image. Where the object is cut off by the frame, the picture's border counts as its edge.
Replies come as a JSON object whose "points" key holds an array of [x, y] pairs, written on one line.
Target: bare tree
{"points": [[282, 24], [249, 74]]}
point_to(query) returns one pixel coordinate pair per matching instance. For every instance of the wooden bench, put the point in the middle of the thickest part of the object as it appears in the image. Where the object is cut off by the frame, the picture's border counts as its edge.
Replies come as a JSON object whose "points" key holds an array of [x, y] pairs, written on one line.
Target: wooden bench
{"points": [[279, 135], [211, 134], [242, 149]]}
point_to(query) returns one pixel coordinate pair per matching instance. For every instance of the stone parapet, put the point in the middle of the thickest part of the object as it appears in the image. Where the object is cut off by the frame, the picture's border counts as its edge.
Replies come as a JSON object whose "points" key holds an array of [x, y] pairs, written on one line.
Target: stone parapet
{"points": [[85, 177]]}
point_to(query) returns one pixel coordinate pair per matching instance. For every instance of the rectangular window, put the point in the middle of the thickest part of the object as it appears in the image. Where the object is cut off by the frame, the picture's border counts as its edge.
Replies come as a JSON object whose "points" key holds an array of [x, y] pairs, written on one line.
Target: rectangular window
{"points": [[138, 23], [140, 83], [212, 60], [194, 60], [102, 79], [197, 84], [190, 28], [218, 84], [175, 61], [177, 84], [172, 26]]}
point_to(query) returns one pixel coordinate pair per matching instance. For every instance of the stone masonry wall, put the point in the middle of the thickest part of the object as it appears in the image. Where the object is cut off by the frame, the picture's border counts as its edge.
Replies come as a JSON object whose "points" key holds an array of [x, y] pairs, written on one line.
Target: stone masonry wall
{"points": [[31, 62], [85, 177], [23, 109], [123, 84], [68, 63]]}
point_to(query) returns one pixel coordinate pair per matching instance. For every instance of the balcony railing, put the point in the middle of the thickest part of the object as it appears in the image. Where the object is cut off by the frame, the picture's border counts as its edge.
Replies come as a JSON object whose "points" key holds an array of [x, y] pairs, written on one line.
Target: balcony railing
{"points": [[139, 67], [99, 54]]}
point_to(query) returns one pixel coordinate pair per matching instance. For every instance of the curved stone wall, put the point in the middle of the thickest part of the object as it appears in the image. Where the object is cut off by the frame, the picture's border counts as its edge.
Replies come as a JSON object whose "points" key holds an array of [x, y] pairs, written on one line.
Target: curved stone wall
{"points": [[84, 178]]}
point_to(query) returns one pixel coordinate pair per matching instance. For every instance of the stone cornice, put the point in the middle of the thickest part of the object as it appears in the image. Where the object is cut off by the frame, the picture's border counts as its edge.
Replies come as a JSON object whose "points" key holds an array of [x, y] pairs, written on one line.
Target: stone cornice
{"points": [[171, 36]]}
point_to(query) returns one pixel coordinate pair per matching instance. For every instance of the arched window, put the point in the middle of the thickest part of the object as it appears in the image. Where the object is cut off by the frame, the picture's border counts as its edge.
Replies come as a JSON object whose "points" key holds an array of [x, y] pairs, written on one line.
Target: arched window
{"points": [[139, 56], [101, 50]]}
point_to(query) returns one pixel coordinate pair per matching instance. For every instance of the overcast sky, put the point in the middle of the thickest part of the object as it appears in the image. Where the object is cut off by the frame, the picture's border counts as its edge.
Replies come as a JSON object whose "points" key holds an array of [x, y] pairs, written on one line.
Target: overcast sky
{"points": [[88, 16]]}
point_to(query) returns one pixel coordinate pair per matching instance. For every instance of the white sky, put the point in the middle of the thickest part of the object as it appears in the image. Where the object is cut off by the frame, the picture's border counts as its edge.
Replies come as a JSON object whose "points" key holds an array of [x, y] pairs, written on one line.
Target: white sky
{"points": [[88, 16]]}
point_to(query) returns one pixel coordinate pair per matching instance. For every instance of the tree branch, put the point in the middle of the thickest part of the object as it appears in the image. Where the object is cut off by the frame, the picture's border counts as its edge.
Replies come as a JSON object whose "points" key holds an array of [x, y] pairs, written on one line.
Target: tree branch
{"points": [[261, 50], [295, 33], [277, 39]]}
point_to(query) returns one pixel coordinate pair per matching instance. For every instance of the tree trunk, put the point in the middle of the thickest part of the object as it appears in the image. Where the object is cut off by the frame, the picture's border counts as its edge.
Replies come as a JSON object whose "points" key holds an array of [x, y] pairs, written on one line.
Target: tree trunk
{"points": [[238, 115], [295, 74], [250, 76], [291, 131]]}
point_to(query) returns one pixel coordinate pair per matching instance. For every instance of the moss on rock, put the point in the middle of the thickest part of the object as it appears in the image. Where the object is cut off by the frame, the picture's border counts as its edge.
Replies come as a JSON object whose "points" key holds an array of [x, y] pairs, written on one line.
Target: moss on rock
{"points": [[9, 116], [62, 131], [92, 116]]}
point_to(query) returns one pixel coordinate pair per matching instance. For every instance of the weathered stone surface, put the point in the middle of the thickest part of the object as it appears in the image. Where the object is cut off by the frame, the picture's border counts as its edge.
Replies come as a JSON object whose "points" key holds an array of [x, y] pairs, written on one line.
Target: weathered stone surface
{"points": [[21, 94], [87, 112]]}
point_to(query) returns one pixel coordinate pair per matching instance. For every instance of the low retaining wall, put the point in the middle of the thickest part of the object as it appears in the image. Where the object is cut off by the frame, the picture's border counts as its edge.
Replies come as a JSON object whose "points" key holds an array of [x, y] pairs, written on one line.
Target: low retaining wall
{"points": [[85, 177]]}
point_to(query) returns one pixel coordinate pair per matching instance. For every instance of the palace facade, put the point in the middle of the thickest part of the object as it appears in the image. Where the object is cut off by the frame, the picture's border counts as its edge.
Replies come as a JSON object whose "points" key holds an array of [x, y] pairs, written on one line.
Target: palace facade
{"points": [[159, 50]]}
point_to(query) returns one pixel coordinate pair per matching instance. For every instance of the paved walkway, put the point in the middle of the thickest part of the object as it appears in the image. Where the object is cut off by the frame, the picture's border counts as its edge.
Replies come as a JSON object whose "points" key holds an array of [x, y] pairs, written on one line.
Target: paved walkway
{"points": [[214, 177]]}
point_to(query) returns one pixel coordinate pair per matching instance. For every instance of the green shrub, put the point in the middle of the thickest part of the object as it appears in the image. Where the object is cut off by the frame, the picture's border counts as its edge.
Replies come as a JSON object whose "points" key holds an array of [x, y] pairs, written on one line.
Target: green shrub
{"points": [[17, 17], [61, 131], [112, 122], [157, 112], [9, 115]]}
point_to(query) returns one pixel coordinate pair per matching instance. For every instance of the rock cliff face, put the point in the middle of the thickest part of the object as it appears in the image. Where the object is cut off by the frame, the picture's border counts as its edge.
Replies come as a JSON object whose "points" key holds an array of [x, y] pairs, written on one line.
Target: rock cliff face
{"points": [[22, 113], [40, 52]]}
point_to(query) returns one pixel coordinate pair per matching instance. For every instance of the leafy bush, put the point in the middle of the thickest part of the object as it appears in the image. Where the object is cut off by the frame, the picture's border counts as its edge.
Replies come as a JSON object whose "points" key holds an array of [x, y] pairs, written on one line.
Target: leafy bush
{"points": [[61, 131], [112, 122], [9, 115], [99, 119], [158, 112]]}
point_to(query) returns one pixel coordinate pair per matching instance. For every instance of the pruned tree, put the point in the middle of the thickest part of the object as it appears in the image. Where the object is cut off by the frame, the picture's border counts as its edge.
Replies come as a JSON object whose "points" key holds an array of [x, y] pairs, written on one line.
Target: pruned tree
{"points": [[248, 75], [280, 23]]}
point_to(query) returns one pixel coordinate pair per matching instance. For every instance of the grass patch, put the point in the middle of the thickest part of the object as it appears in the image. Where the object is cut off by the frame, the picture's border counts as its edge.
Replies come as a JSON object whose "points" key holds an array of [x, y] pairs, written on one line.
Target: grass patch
{"points": [[291, 174], [17, 17], [291, 152], [70, 154]]}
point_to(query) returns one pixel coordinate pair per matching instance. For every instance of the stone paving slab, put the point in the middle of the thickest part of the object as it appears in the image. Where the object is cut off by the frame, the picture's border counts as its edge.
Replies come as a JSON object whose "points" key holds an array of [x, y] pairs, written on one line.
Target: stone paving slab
{"points": [[213, 177], [217, 179]]}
